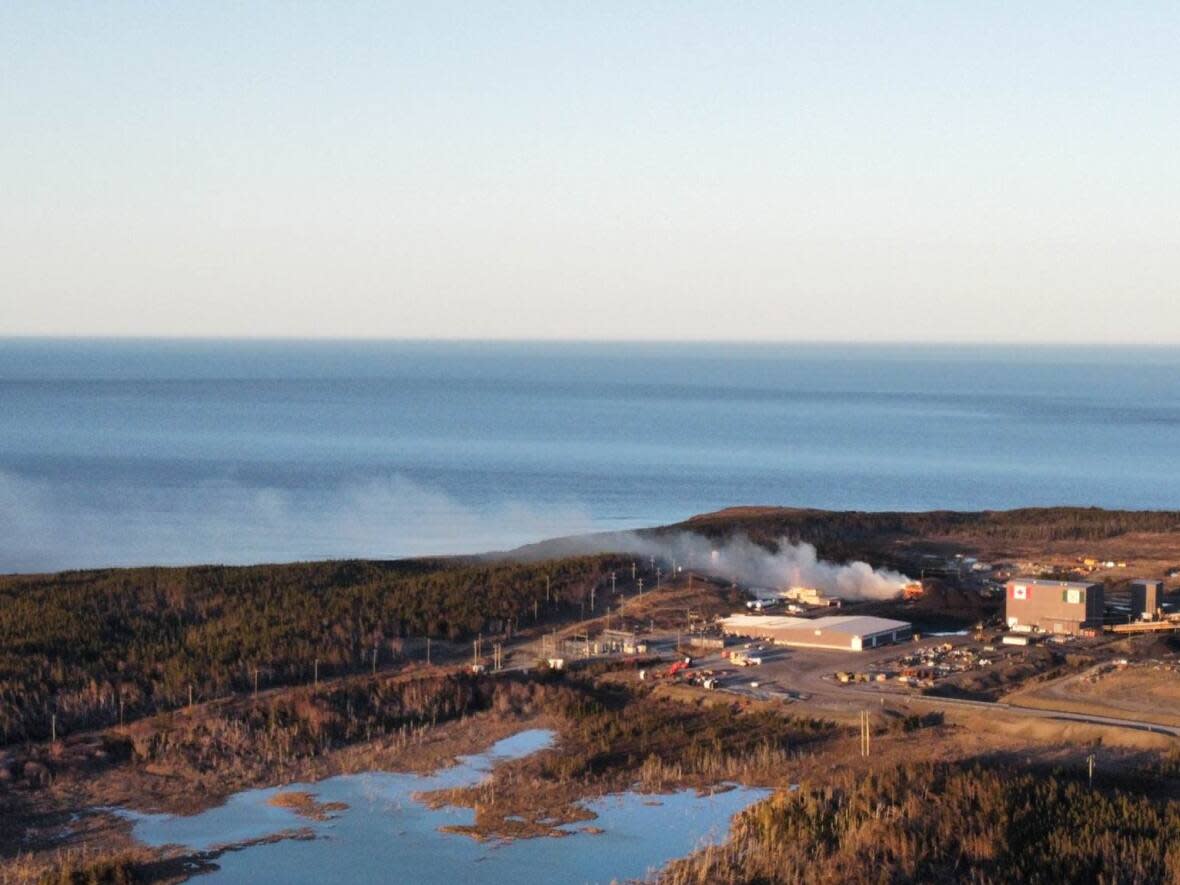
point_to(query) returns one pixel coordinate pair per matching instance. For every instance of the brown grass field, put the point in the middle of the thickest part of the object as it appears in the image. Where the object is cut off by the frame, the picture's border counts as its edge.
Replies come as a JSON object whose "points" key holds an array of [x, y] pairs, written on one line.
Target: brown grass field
{"points": [[1150, 692]]}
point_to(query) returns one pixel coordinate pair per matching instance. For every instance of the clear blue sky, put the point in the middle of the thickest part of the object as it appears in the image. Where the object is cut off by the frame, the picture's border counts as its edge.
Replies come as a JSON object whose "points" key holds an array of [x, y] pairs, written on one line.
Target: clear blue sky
{"points": [[870, 171]]}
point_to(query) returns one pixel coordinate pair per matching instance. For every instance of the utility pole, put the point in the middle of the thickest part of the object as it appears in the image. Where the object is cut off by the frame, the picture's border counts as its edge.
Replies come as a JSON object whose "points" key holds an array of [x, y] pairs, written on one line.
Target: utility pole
{"points": [[592, 597], [608, 617], [374, 660], [546, 588], [427, 651], [190, 696], [633, 572], [612, 584], [536, 607], [1090, 760], [53, 728], [658, 579], [641, 588]]}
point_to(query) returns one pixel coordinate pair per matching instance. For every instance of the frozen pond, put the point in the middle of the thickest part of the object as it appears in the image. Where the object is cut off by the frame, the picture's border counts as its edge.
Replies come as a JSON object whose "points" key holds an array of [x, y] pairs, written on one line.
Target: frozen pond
{"points": [[387, 836]]}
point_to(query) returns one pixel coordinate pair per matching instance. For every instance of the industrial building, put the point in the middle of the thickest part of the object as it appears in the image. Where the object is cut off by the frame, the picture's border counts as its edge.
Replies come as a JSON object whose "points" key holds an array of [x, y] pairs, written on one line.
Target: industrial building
{"points": [[799, 596], [1071, 607], [845, 633], [1145, 599]]}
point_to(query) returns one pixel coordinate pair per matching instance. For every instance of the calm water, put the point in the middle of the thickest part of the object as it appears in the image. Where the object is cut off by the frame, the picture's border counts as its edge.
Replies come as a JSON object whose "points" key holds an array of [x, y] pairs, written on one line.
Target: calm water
{"points": [[387, 836], [156, 452]]}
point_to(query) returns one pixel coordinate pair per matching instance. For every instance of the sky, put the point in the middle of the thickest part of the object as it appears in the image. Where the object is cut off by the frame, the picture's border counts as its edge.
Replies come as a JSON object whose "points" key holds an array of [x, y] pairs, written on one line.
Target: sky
{"points": [[877, 171]]}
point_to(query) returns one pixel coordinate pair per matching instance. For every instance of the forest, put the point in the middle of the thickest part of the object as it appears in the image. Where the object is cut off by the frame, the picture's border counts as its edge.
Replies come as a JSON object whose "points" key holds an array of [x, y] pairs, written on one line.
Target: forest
{"points": [[89, 649], [93, 648], [949, 822]]}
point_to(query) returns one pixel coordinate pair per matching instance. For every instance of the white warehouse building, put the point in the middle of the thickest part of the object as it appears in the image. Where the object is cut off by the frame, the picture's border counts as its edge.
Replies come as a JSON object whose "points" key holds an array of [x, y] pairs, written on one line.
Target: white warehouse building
{"points": [[843, 633]]}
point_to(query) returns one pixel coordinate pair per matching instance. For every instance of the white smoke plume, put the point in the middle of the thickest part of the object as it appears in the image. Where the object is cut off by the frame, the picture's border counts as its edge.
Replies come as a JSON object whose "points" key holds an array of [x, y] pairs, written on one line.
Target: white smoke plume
{"points": [[740, 559], [47, 526]]}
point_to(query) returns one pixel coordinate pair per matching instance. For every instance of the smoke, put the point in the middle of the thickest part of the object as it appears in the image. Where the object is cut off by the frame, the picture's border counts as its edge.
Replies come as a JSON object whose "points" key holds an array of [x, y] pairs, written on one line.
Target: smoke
{"points": [[48, 526], [740, 559]]}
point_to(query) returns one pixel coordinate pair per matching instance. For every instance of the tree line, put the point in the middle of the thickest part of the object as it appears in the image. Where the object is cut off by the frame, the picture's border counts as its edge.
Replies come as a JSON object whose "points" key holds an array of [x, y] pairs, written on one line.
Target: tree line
{"points": [[842, 535]]}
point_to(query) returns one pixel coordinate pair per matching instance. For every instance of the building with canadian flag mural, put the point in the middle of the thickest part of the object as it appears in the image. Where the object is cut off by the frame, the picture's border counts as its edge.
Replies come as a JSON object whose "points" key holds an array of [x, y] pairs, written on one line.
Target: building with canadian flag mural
{"points": [[1053, 606]]}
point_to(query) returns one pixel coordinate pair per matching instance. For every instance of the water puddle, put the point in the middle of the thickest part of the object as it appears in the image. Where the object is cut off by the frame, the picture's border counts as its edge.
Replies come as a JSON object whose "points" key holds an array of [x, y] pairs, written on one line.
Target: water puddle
{"points": [[370, 828]]}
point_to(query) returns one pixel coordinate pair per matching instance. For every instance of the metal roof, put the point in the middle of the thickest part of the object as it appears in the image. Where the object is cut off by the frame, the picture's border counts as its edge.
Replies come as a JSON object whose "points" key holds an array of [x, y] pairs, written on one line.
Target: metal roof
{"points": [[764, 621], [859, 625], [862, 625]]}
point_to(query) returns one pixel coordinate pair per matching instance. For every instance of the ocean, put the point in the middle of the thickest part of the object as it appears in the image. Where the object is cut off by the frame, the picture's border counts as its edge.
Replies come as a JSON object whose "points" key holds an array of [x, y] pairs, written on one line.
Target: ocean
{"points": [[167, 452]]}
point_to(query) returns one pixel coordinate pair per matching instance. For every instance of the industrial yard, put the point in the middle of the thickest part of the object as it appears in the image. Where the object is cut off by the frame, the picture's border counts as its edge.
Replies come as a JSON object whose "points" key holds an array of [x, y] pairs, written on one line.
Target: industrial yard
{"points": [[783, 660], [1032, 645]]}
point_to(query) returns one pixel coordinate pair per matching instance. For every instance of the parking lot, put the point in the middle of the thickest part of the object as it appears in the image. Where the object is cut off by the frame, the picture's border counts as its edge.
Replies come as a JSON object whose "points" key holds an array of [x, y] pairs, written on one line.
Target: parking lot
{"points": [[800, 674]]}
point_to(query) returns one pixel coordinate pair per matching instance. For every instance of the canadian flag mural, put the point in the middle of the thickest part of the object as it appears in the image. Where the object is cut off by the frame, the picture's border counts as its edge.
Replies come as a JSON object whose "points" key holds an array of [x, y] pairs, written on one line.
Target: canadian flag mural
{"points": [[1019, 591]]}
